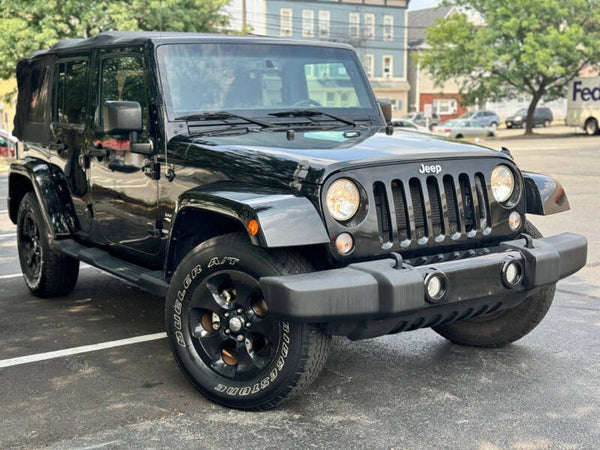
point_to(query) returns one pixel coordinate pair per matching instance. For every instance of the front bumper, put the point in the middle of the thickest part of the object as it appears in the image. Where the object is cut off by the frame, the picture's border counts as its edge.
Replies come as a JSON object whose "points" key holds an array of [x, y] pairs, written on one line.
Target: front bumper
{"points": [[377, 290]]}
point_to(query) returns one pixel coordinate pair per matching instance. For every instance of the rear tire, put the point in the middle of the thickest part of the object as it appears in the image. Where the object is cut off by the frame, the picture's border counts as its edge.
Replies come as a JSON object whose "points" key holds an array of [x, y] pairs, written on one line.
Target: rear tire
{"points": [[546, 123], [233, 353], [459, 136], [504, 327], [591, 127], [47, 271]]}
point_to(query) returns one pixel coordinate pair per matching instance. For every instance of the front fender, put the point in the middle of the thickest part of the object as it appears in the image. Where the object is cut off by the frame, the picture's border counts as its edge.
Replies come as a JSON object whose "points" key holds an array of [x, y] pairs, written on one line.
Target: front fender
{"points": [[285, 220], [545, 195], [50, 187]]}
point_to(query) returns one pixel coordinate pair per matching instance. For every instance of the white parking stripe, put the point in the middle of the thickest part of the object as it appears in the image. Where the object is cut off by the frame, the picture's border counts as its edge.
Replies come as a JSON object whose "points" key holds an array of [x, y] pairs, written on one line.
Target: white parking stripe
{"points": [[77, 350], [8, 235], [13, 275], [4, 212]]}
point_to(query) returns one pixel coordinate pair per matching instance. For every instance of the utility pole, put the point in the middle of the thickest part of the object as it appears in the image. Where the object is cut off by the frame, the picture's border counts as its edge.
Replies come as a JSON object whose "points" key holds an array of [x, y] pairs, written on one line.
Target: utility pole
{"points": [[243, 14]]}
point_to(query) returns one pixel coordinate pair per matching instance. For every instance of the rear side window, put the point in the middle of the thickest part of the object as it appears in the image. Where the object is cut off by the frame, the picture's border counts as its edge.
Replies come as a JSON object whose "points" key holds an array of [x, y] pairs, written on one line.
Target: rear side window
{"points": [[38, 107], [72, 92]]}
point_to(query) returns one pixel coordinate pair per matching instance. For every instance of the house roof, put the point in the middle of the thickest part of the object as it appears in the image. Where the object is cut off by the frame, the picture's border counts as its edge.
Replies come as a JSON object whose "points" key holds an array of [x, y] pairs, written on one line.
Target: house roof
{"points": [[421, 19]]}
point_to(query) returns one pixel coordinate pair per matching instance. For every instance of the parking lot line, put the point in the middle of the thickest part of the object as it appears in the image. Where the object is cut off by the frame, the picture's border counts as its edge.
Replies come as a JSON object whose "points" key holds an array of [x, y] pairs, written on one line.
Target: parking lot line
{"points": [[12, 275], [77, 350], [4, 212], [9, 235]]}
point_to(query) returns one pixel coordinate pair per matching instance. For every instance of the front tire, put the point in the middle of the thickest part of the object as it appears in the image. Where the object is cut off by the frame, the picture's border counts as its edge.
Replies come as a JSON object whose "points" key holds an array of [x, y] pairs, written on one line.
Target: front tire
{"points": [[47, 271], [591, 127], [220, 331], [502, 328]]}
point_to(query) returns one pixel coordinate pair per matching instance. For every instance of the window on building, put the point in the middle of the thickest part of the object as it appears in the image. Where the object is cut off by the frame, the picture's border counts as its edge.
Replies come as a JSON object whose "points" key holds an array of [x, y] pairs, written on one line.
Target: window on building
{"points": [[369, 31], [308, 23], [388, 64], [72, 92], [388, 28], [445, 106], [354, 25], [396, 104], [369, 64], [285, 22], [323, 24]]}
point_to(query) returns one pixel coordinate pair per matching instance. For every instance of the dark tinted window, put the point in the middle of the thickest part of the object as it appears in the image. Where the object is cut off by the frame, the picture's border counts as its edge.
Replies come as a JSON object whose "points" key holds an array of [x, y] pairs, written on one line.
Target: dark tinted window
{"points": [[38, 108], [124, 79], [72, 92]]}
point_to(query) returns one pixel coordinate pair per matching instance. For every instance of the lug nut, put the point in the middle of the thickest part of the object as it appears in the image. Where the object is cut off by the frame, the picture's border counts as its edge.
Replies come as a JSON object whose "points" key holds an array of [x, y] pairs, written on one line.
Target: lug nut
{"points": [[240, 338], [227, 331], [226, 315], [240, 310], [248, 324]]}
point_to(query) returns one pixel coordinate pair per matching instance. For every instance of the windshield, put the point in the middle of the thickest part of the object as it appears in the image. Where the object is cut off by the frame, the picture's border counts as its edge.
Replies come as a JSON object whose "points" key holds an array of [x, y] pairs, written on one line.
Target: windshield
{"points": [[521, 112], [466, 115], [260, 78]]}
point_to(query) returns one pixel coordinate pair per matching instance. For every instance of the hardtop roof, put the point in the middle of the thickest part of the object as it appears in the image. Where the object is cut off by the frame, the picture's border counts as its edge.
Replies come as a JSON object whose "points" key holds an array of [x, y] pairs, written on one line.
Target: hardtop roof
{"points": [[135, 38]]}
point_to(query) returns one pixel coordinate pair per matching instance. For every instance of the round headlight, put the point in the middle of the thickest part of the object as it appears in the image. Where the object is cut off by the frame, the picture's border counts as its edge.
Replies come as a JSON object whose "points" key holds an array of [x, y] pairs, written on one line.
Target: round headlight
{"points": [[342, 199], [503, 183]]}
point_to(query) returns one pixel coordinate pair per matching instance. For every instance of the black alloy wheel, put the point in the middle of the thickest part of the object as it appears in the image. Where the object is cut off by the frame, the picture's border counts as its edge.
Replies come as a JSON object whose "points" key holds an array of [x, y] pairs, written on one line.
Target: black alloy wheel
{"points": [[231, 327], [30, 249]]}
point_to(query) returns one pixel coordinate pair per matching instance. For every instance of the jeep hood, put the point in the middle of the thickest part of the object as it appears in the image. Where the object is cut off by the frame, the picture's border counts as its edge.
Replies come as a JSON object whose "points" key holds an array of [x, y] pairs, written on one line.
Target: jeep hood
{"points": [[317, 154]]}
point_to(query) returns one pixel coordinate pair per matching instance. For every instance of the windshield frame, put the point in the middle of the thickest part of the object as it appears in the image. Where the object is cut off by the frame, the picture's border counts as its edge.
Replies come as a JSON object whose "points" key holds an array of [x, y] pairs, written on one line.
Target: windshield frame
{"points": [[371, 113]]}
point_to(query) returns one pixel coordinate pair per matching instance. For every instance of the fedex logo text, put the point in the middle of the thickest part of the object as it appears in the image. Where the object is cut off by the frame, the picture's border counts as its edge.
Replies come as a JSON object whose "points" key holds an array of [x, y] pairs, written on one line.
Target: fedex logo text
{"points": [[586, 93]]}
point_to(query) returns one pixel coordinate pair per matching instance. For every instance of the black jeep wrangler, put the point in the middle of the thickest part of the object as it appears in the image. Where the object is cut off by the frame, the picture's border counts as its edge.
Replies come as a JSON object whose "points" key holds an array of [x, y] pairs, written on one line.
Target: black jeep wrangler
{"points": [[255, 184]]}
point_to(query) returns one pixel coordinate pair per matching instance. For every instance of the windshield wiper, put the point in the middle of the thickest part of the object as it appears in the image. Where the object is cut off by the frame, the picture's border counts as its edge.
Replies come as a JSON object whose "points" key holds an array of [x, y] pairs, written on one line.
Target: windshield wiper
{"points": [[216, 115], [310, 113]]}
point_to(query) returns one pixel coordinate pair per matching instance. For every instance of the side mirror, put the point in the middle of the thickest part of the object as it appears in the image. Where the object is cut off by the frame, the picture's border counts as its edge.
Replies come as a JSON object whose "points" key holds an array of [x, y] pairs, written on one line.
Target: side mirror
{"points": [[386, 108], [122, 117]]}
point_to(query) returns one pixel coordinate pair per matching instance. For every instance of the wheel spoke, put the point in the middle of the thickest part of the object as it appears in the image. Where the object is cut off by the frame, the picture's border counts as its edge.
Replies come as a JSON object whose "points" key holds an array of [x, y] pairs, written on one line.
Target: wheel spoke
{"points": [[259, 360], [265, 327], [211, 343]]}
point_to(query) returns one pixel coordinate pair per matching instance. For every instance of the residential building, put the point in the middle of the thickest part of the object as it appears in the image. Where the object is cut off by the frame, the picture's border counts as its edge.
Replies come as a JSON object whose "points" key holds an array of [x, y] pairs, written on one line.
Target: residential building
{"points": [[375, 28], [445, 99]]}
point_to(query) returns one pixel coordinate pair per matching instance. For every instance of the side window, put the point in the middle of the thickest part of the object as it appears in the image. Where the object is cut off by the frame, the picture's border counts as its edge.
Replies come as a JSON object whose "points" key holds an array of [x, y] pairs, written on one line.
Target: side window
{"points": [[72, 92], [39, 95], [124, 78]]}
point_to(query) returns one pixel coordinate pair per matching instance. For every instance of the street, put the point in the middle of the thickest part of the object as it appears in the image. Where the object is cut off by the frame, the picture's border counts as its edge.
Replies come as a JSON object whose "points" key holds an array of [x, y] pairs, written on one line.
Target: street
{"points": [[411, 390]]}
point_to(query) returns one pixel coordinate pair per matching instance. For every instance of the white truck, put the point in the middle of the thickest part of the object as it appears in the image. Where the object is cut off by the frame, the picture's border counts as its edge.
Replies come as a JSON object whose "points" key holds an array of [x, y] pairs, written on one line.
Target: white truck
{"points": [[583, 104]]}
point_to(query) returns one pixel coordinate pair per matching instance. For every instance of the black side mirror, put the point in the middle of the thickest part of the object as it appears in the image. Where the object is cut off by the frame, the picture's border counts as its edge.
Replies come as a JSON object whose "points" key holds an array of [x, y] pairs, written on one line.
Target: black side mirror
{"points": [[386, 108], [122, 117]]}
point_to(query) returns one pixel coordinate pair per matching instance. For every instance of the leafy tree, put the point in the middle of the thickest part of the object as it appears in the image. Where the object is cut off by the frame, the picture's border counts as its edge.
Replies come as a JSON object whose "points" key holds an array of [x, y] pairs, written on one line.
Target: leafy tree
{"points": [[29, 25], [527, 46]]}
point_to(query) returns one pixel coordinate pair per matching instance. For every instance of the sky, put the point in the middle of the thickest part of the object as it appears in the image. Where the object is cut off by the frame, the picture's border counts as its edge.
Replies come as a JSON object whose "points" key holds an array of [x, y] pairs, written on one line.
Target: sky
{"points": [[422, 4]]}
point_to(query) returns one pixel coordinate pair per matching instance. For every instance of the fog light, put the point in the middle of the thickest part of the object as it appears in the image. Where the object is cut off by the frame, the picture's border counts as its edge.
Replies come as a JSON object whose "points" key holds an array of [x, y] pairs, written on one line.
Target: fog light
{"points": [[514, 220], [435, 287], [512, 273], [344, 243]]}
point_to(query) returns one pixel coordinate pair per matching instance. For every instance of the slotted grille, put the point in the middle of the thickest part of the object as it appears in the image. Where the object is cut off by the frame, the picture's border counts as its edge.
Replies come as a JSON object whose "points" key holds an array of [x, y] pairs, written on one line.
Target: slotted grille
{"points": [[436, 206]]}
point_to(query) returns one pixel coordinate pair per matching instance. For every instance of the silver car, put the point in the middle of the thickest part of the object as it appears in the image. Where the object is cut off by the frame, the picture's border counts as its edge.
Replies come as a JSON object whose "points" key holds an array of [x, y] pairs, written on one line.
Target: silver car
{"points": [[485, 118], [462, 128]]}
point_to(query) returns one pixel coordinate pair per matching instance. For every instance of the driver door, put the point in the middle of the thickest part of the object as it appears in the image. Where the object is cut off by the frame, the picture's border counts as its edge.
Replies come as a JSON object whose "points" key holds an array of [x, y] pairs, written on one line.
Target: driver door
{"points": [[124, 196]]}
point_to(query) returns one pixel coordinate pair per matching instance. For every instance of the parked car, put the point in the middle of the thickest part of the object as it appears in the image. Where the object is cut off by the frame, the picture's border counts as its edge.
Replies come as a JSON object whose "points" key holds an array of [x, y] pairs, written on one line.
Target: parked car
{"points": [[541, 116], [270, 215], [418, 118], [404, 124], [461, 128], [485, 118], [8, 144]]}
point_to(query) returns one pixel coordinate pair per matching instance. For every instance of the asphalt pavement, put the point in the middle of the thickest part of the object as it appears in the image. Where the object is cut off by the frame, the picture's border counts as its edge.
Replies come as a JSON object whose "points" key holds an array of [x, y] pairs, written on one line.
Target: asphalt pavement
{"points": [[413, 390]]}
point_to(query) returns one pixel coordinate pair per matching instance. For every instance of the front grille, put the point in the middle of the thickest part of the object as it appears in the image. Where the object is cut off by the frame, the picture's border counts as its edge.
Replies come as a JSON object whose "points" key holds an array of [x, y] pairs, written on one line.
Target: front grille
{"points": [[432, 208]]}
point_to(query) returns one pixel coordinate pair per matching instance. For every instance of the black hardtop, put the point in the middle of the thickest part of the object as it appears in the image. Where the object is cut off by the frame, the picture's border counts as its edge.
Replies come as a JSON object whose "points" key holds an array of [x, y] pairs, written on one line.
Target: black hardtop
{"points": [[137, 38]]}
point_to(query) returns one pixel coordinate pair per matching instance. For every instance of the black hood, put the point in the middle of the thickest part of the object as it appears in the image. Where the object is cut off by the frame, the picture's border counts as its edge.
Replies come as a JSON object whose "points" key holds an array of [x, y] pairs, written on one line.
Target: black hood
{"points": [[316, 153]]}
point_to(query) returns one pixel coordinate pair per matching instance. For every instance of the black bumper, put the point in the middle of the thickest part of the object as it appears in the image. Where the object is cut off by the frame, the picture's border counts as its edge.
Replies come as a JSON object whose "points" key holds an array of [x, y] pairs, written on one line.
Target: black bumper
{"points": [[377, 290]]}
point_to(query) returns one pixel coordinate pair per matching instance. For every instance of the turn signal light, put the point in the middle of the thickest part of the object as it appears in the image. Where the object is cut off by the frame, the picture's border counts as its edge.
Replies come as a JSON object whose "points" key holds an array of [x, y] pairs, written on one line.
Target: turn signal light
{"points": [[253, 227]]}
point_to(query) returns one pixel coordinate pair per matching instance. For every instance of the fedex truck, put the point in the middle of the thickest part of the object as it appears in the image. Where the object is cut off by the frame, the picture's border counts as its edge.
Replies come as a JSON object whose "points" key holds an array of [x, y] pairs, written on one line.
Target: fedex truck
{"points": [[583, 104]]}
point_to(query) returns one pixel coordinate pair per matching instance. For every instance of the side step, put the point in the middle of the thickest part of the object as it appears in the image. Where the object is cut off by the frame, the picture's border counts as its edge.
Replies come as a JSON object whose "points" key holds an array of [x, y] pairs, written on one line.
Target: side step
{"points": [[149, 280]]}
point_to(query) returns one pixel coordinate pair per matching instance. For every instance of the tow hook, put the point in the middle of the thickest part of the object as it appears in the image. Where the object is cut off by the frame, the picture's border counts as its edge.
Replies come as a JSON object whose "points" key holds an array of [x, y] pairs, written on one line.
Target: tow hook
{"points": [[398, 264]]}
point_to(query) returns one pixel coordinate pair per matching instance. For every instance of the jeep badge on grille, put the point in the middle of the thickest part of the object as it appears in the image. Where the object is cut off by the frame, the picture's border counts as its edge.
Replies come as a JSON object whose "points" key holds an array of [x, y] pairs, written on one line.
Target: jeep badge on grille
{"points": [[433, 168]]}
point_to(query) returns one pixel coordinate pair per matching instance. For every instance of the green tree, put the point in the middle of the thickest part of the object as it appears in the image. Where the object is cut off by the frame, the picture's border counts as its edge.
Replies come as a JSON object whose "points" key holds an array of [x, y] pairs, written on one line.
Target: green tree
{"points": [[29, 25], [528, 46]]}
